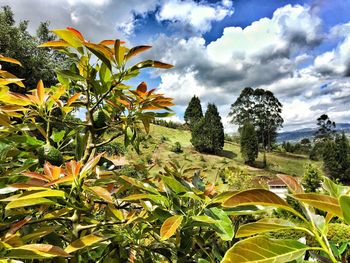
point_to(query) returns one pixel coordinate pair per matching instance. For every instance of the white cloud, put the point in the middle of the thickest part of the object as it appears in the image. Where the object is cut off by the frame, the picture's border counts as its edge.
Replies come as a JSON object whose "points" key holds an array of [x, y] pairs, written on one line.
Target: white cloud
{"points": [[197, 15], [267, 54]]}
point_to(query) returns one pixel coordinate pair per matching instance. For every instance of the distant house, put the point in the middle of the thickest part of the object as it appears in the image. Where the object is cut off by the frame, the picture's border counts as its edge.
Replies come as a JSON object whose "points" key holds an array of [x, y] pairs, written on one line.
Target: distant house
{"points": [[119, 163], [278, 187]]}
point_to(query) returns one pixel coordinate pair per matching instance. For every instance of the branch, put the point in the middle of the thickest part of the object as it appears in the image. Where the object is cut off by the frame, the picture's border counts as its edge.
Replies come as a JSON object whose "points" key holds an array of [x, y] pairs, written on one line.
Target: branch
{"points": [[107, 141]]}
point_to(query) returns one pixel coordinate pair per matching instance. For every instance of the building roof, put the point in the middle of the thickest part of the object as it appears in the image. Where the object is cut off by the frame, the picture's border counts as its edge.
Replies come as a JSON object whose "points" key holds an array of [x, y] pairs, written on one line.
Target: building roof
{"points": [[120, 161], [276, 182]]}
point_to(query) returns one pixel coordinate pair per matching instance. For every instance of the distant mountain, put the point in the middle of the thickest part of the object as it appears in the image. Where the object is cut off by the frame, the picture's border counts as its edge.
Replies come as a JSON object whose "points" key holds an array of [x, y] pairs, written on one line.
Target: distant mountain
{"points": [[297, 135]]}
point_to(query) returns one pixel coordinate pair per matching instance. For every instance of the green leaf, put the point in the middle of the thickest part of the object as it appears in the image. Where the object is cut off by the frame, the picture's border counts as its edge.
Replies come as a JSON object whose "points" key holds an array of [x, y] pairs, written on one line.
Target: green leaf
{"points": [[263, 250], [334, 189], [39, 233], [204, 219], [83, 242], [28, 202], [344, 201], [105, 73], [225, 228], [263, 226], [174, 185], [322, 202], [39, 194], [140, 184], [90, 165], [101, 52], [57, 136], [70, 75], [170, 226]]}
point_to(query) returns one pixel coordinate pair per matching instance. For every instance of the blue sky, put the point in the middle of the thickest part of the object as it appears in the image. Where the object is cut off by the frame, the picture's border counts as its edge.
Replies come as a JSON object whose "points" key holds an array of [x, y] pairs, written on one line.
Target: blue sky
{"points": [[300, 50]]}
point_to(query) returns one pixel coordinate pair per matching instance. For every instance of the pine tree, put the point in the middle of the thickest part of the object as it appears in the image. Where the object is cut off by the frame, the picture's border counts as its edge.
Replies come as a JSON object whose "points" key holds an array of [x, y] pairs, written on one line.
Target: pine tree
{"points": [[249, 143], [330, 160], [208, 133], [193, 112]]}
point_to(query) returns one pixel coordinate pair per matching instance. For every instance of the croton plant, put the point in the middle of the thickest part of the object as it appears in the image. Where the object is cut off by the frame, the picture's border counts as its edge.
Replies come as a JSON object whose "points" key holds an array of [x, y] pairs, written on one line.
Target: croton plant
{"points": [[60, 203]]}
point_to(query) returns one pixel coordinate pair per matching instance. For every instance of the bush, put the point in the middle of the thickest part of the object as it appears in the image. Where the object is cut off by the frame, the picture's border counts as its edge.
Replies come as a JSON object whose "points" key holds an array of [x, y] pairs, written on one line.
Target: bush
{"points": [[113, 148], [312, 178], [176, 148]]}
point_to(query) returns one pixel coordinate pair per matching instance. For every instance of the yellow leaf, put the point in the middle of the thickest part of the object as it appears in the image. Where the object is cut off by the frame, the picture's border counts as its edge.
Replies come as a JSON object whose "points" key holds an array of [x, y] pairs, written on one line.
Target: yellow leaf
{"points": [[170, 226], [82, 243]]}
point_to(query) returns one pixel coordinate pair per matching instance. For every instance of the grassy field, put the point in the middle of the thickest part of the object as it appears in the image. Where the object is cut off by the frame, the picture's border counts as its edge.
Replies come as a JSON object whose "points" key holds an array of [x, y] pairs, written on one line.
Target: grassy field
{"points": [[157, 150]]}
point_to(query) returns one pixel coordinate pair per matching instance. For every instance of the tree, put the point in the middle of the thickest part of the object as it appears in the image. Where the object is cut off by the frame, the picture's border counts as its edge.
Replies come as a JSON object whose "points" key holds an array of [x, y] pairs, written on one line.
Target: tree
{"points": [[312, 178], [336, 158], [326, 128], [263, 110], [193, 112], [249, 143], [208, 134], [16, 42]]}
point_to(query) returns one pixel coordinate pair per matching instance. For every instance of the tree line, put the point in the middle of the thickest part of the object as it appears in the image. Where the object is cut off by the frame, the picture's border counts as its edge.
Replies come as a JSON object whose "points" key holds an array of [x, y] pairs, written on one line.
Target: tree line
{"points": [[257, 113]]}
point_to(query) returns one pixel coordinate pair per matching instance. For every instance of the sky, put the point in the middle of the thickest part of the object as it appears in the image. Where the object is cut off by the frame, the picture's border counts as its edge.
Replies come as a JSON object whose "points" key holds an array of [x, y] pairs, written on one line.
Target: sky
{"points": [[298, 49]]}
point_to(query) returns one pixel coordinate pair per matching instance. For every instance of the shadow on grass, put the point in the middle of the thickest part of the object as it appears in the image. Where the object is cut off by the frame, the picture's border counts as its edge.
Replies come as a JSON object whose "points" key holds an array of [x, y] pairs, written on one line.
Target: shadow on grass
{"points": [[227, 154]]}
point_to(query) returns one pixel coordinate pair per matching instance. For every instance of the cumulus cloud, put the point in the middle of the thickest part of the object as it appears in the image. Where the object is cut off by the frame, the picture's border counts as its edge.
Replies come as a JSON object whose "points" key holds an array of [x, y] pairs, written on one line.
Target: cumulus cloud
{"points": [[267, 54], [97, 19], [195, 16]]}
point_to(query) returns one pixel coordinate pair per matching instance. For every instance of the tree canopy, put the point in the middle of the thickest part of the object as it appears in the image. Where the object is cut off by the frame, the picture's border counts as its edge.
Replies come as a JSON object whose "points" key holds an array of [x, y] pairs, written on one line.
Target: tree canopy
{"points": [[326, 128], [262, 109], [37, 63]]}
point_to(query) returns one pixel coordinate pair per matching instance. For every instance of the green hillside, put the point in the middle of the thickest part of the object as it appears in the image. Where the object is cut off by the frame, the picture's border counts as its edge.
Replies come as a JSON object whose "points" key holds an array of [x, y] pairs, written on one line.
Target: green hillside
{"points": [[156, 149]]}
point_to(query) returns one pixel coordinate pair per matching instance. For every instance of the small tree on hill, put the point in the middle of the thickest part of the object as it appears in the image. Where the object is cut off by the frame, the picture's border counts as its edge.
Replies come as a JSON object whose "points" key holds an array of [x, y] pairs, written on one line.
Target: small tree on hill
{"points": [[326, 128], [193, 112], [208, 133], [312, 178], [249, 143]]}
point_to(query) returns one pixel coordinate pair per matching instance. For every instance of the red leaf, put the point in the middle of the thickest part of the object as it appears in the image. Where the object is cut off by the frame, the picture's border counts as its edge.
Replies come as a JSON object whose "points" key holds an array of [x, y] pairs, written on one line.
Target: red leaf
{"points": [[142, 87]]}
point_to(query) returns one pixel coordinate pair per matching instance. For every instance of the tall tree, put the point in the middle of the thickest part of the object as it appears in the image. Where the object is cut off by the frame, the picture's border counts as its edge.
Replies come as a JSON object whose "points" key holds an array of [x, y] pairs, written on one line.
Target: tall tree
{"points": [[336, 158], [208, 133], [193, 112], [263, 110], [249, 143], [16, 42], [326, 128]]}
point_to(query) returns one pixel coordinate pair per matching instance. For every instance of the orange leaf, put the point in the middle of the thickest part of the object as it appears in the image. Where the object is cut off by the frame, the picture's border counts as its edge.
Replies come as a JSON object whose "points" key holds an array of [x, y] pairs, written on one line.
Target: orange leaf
{"points": [[10, 60], [55, 43], [67, 178], [73, 168], [170, 226], [73, 99], [36, 176], [40, 92], [136, 50], [76, 33], [158, 64], [102, 193], [142, 87]]}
